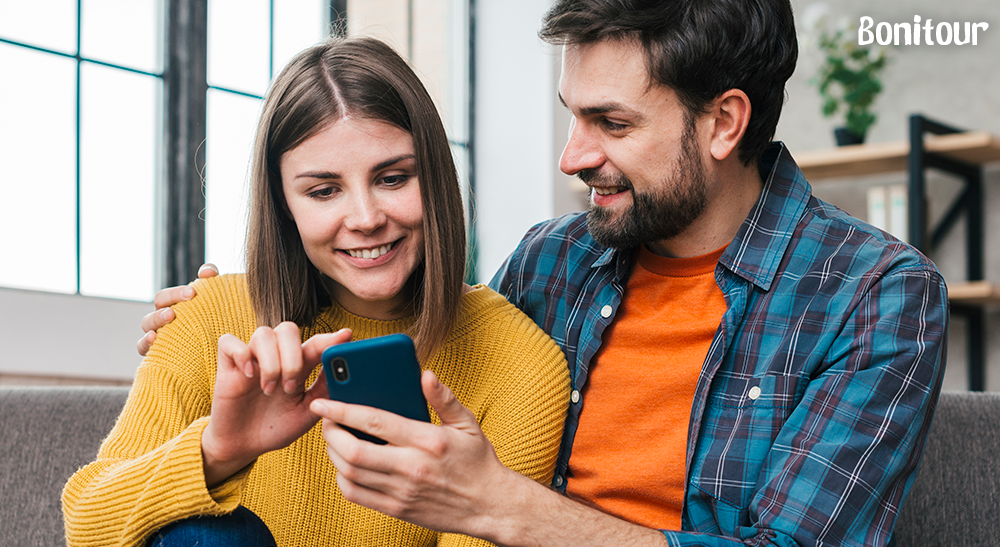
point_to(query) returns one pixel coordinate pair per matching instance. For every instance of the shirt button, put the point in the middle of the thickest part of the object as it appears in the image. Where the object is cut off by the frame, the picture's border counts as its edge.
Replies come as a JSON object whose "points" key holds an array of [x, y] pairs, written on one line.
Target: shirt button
{"points": [[754, 393], [575, 396], [606, 312], [558, 481]]}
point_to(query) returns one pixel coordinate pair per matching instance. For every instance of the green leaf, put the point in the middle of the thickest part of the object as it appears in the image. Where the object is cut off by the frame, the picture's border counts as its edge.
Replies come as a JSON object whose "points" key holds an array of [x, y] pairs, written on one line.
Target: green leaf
{"points": [[829, 107]]}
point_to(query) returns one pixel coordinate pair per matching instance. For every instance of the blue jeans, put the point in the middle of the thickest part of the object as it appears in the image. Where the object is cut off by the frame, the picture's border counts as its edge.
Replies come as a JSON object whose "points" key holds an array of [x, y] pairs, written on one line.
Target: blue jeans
{"points": [[240, 528]]}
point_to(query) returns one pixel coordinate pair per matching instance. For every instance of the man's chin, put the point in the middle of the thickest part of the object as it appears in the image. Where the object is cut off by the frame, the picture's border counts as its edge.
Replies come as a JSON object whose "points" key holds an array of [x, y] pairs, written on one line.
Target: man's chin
{"points": [[610, 228]]}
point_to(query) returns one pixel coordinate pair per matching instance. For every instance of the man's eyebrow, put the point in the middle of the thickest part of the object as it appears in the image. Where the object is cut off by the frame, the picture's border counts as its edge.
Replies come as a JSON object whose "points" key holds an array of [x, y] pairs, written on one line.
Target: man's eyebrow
{"points": [[602, 108]]}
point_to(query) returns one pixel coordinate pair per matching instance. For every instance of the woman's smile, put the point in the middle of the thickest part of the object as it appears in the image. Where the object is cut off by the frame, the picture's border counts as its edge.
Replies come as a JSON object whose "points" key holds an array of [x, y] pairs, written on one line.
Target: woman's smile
{"points": [[372, 253]]}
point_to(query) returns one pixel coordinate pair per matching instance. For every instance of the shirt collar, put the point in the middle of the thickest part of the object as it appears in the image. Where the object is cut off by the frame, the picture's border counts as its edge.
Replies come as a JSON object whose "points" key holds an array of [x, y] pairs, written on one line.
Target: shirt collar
{"points": [[759, 246], [605, 258], [619, 260]]}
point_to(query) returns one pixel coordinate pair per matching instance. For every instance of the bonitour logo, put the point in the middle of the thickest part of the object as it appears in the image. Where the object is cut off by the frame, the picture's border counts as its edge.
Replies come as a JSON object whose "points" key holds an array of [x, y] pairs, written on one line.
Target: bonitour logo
{"points": [[945, 33]]}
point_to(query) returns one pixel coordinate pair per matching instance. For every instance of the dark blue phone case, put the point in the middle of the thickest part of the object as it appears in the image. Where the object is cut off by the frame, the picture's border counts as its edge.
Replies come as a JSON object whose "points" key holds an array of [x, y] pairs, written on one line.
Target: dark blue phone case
{"points": [[383, 372]]}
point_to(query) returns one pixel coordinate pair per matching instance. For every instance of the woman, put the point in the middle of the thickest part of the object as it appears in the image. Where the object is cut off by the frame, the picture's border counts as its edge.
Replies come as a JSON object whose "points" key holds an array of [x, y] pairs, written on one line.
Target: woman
{"points": [[356, 229]]}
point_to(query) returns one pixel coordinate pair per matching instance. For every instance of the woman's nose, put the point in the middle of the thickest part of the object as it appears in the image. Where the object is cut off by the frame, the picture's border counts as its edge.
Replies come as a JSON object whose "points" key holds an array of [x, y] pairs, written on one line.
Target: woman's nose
{"points": [[366, 214]]}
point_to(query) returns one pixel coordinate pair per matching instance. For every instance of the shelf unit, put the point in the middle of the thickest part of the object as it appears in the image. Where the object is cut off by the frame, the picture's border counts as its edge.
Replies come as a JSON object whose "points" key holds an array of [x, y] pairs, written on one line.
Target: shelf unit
{"points": [[974, 147], [960, 153]]}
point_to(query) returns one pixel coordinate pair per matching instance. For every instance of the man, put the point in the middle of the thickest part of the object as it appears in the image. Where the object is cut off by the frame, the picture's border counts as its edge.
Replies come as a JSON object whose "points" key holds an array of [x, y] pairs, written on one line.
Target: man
{"points": [[750, 365]]}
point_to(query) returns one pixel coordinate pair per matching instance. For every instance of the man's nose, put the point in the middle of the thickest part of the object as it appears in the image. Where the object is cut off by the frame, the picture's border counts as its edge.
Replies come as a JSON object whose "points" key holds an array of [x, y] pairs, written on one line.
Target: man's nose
{"points": [[582, 150]]}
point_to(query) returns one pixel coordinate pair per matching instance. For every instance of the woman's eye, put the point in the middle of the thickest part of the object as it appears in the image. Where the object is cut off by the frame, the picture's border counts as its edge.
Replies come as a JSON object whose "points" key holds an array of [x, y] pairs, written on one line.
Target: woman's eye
{"points": [[321, 193], [395, 180]]}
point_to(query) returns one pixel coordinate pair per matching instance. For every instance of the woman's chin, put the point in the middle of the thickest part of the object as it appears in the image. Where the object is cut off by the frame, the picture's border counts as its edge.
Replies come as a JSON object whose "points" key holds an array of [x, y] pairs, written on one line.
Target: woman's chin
{"points": [[374, 302]]}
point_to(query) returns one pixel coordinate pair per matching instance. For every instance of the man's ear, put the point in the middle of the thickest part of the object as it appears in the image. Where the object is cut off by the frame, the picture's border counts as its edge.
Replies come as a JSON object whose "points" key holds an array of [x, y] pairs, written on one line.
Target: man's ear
{"points": [[730, 114]]}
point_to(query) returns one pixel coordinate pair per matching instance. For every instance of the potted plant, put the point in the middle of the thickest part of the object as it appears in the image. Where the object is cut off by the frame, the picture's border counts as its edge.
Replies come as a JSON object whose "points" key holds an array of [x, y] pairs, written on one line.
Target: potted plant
{"points": [[849, 78]]}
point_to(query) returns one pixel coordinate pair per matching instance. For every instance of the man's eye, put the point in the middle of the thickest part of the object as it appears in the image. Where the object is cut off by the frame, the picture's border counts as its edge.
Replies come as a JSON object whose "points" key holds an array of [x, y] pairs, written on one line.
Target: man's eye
{"points": [[613, 126]]}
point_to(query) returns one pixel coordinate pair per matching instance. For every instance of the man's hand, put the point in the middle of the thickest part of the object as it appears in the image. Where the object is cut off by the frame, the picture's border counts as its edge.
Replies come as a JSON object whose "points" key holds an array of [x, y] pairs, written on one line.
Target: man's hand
{"points": [[443, 477], [449, 479], [260, 401], [163, 314]]}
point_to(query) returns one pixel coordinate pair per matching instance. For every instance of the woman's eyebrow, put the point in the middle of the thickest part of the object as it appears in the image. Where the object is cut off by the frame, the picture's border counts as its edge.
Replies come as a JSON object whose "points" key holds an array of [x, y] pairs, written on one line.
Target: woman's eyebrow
{"points": [[318, 175], [378, 167], [392, 161]]}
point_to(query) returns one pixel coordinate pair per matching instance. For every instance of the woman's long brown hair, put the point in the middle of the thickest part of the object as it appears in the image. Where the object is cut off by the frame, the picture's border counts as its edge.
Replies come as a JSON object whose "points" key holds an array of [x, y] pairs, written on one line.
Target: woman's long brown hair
{"points": [[365, 78]]}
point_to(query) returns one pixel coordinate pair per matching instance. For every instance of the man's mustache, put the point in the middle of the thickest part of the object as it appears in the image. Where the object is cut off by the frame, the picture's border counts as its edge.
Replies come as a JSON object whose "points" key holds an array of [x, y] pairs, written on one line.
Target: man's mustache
{"points": [[592, 176]]}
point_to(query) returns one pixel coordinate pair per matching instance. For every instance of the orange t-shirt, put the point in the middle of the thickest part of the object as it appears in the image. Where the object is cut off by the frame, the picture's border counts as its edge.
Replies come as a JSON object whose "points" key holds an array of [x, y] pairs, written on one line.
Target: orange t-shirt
{"points": [[629, 450]]}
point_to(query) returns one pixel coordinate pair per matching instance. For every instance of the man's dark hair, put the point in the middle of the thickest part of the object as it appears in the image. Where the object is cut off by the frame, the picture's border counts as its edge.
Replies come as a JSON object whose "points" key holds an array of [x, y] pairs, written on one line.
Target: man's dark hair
{"points": [[698, 48]]}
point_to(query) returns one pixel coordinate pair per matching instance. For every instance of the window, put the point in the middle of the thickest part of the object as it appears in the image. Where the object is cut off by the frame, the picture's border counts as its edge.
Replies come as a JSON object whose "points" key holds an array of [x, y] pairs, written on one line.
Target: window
{"points": [[83, 134], [85, 111], [79, 145]]}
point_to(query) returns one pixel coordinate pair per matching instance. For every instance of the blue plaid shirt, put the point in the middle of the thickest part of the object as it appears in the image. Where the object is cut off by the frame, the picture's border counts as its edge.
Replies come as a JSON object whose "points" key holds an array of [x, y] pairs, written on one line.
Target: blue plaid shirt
{"points": [[816, 395]]}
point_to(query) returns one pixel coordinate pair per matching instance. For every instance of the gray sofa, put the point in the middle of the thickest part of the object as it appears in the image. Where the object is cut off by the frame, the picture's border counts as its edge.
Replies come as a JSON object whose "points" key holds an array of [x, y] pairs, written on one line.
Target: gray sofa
{"points": [[47, 433]]}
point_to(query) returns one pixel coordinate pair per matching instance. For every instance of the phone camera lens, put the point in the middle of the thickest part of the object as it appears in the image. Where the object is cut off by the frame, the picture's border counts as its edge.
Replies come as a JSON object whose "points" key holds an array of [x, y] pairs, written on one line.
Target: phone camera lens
{"points": [[340, 372]]}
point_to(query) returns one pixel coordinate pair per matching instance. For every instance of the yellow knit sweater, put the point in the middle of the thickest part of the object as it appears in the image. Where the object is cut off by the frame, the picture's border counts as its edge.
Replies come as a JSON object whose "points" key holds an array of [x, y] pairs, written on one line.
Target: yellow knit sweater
{"points": [[148, 472]]}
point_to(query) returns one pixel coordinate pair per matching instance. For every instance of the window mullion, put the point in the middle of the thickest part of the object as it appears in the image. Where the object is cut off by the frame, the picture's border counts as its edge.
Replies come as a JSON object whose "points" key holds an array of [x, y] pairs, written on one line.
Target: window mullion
{"points": [[185, 74]]}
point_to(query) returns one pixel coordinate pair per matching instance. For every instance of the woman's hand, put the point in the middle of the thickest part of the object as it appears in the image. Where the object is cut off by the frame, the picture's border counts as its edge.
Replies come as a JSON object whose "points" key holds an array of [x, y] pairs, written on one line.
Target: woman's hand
{"points": [[260, 401]]}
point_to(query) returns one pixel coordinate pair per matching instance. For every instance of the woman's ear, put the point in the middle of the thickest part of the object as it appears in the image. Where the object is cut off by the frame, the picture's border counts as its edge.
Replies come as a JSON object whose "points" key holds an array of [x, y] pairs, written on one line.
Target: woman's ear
{"points": [[730, 114]]}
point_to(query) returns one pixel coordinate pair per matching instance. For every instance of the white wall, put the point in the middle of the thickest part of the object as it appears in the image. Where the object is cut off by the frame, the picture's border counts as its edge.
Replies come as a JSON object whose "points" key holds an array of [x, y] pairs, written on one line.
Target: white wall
{"points": [[516, 170], [69, 336], [956, 84]]}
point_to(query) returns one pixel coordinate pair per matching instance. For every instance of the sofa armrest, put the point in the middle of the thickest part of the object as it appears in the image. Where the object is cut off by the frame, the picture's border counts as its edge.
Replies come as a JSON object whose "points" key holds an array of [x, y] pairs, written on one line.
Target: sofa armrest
{"points": [[956, 493], [46, 434]]}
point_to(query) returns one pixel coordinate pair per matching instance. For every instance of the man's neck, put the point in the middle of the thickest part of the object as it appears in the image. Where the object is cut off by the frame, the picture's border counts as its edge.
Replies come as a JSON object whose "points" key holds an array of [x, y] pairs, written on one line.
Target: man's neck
{"points": [[733, 194]]}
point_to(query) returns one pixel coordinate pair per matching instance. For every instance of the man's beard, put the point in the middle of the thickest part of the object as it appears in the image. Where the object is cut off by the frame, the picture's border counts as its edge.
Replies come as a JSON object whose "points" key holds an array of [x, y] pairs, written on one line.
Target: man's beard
{"points": [[662, 213]]}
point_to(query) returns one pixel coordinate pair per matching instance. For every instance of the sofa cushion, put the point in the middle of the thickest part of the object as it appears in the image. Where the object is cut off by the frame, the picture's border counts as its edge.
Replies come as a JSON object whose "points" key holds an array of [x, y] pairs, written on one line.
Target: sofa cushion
{"points": [[46, 434], [956, 494]]}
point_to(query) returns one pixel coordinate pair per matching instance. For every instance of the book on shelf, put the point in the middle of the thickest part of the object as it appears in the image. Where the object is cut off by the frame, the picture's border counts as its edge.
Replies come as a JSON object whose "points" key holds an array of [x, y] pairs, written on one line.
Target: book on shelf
{"points": [[887, 209]]}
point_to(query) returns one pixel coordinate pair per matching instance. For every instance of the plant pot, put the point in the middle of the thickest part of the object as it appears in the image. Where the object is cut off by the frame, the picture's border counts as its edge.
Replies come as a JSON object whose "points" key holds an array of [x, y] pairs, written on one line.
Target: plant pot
{"points": [[845, 137]]}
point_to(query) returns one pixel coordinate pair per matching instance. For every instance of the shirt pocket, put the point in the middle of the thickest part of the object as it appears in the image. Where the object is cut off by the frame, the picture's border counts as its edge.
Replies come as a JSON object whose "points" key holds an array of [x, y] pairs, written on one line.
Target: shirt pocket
{"points": [[742, 418]]}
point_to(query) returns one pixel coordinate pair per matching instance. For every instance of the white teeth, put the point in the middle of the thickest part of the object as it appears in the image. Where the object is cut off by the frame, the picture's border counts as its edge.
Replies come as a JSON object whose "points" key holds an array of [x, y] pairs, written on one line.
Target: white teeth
{"points": [[370, 253], [606, 191]]}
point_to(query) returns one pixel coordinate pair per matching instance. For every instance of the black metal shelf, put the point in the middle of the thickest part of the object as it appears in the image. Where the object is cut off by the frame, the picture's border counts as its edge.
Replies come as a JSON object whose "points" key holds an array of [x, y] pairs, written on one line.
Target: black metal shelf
{"points": [[933, 145], [968, 205]]}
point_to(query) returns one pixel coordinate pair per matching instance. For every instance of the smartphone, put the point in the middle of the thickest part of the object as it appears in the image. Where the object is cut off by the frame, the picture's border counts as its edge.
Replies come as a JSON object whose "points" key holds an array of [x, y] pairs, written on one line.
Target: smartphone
{"points": [[381, 372]]}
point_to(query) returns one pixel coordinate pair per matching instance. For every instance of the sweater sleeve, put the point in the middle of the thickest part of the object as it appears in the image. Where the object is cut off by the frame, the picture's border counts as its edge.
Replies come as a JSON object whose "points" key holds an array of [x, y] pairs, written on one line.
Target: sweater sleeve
{"points": [[526, 409], [148, 471], [520, 396]]}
